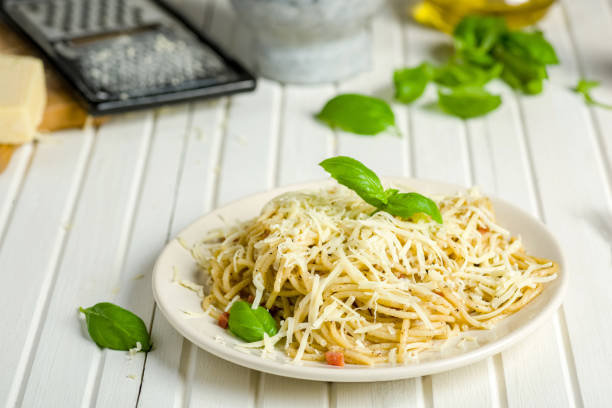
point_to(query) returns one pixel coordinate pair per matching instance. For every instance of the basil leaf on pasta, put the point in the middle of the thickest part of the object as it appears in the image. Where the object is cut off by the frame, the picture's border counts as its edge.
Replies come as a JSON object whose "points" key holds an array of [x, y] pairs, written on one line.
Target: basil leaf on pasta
{"points": [[248, 324], [406, 205], [356, 176]]}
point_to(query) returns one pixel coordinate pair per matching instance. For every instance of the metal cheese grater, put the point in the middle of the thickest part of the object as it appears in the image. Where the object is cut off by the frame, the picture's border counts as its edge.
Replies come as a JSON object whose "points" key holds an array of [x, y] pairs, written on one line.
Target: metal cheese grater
{"points": [[126, 54]]}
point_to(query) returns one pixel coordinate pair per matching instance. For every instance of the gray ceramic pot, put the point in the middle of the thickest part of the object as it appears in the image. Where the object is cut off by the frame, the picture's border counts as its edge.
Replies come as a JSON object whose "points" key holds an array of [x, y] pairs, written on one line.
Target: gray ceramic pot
{"points": [[309, 41]]}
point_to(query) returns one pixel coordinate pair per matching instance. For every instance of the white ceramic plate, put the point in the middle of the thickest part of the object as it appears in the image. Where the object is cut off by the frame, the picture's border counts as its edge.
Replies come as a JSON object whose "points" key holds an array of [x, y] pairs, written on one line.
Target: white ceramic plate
{"points": [[182, 307]]}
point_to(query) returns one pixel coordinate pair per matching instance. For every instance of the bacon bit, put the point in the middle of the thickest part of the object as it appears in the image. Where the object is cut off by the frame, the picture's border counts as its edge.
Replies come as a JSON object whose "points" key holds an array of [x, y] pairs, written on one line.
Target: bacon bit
{"points": [[223, 319], [483, 230], [335, 358], [250, 299]]}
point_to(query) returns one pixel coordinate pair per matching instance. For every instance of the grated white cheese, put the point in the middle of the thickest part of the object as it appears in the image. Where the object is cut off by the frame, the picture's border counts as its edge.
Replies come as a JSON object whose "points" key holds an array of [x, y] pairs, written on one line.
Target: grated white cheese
{"points": [[259, 289], [132, 352], [231, 303], [193, 315], [303, 343], [368, 328]]}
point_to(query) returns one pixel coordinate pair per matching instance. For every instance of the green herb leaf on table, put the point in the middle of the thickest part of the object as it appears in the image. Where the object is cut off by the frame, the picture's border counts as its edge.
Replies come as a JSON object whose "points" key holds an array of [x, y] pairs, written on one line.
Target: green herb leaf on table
{"points": [[530, 45], [454, 74], [250, 324], [360, 114], [520, 73], [468, 102], [524, 56], [410, 83], [113, 327], [359, 178], [475, 36], [485, 48], [584, 88]]}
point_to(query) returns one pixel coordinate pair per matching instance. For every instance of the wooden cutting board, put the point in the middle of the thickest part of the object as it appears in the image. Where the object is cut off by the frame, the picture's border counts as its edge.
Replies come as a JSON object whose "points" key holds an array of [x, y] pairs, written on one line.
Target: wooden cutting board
{"points": [[5, 155], [61, 112]]}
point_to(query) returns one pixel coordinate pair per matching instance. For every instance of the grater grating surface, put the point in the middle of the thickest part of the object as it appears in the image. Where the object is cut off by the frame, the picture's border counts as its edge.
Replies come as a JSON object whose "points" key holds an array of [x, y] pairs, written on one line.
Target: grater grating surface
{"points": [[148, 62], [63, 19]]}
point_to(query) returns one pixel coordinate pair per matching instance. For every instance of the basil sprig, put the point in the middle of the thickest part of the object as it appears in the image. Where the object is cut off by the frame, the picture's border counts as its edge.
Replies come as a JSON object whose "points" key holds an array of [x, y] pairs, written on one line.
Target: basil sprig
{"points": [[584, 88], [250, 324], [485, 49], [114, 327], [363, 181], [360, 114]]}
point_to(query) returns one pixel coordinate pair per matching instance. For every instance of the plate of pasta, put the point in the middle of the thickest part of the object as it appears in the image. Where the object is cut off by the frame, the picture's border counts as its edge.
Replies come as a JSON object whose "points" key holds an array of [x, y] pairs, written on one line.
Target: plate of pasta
{"points": [[310, 281]]}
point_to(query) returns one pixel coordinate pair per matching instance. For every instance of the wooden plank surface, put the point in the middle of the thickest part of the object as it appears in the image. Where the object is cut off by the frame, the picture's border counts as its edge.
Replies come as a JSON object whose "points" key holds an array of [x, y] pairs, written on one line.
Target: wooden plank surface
{"points": [[100, 217], [90, 265], [10, 184], [42, 219], [556, 141], [119, 383], [163, 381]]}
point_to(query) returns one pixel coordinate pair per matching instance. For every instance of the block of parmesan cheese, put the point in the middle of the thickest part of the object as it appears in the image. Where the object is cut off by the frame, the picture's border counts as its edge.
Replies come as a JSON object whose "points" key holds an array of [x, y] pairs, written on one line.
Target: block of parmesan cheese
{"points": [[23, 98]]}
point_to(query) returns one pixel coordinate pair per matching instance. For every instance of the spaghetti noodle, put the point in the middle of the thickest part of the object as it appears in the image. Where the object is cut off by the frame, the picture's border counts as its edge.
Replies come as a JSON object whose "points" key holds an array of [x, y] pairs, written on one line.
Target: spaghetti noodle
{"points": [[375, 287]]}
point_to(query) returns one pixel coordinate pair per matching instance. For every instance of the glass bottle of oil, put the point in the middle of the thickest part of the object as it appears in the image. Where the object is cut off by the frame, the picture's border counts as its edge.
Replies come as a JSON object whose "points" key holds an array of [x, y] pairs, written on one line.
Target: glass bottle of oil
{"points": [[445, 14]]}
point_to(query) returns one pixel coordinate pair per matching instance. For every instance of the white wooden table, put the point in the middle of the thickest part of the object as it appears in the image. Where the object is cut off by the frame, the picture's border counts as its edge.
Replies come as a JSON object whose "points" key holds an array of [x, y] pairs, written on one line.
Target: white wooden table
{"points": [[83, 215]]}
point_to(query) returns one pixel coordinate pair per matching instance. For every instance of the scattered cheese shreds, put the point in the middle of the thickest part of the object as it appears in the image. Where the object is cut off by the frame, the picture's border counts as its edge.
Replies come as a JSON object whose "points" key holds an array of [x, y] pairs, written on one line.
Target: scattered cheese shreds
{"points": [[132, 352]]}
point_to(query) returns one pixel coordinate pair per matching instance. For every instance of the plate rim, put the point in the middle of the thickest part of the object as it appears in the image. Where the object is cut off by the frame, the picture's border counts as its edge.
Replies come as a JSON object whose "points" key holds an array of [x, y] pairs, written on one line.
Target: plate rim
{"points": [[359, 373]]}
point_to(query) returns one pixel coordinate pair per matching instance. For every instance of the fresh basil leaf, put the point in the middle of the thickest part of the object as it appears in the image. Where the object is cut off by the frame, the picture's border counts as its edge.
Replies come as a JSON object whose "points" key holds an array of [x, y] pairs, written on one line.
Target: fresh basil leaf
{"points": [[356, 176], [248, 324], [475, 36], [519, 72], [267, 321], [584, 88], [410, 83], [455, 74], [530, 87], [243, 323], [530, 45], [533, 87], [360, 114], [113, 327], [468, 102], [511, 79], [390, 192], [475, 57], [405, 205]]}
